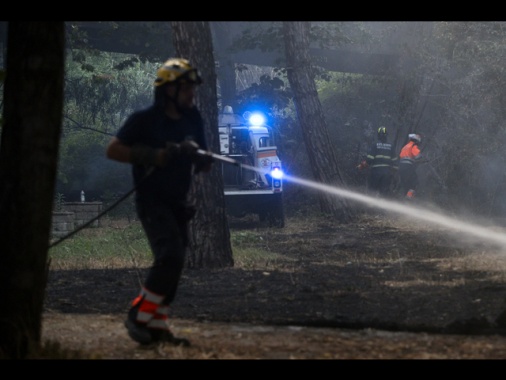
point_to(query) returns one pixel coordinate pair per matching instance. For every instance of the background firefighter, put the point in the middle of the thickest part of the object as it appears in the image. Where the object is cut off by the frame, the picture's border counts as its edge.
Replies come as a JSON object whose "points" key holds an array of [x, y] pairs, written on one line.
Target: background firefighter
{"points": [[381, 160], [409, 157], [161, 143]]}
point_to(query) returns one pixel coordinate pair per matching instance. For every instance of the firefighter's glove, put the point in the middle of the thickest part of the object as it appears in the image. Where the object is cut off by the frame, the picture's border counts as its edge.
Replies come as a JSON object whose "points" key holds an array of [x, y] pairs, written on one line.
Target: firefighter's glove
{"points": [[185, 149], [201, 161], [148, 156], [362, 165]]}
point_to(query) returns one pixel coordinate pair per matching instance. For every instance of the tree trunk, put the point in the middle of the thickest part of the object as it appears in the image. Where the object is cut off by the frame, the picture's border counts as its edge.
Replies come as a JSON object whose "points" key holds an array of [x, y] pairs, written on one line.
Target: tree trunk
{"points": [[312, 121], [210, 245], [28, 160], [226, 67]]}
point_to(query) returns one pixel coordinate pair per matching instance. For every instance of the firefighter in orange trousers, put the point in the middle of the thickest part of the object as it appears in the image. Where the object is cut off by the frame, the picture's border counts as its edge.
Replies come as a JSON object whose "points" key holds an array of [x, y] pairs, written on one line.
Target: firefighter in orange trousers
{"points": [[161, 143], [409, 157]]}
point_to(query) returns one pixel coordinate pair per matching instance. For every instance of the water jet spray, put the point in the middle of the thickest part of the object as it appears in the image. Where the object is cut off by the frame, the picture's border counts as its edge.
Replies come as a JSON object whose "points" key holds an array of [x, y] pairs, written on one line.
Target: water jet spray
{"points": [[416, 212]]}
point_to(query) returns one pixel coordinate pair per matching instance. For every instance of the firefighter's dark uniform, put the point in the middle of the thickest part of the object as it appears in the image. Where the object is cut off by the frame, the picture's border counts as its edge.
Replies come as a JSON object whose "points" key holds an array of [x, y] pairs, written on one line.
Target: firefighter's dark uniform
{"points": [[161, 202], [381, 159]]}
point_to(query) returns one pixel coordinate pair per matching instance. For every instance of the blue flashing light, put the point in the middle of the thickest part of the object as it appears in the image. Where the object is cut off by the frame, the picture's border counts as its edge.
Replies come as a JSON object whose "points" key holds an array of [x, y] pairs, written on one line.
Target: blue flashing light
{"points": [[276, 173], [256, 119]]}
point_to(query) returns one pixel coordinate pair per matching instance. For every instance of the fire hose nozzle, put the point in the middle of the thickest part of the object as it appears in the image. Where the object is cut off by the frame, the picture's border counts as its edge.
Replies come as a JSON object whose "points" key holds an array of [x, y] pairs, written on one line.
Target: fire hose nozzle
{"points": [[218, 157]]}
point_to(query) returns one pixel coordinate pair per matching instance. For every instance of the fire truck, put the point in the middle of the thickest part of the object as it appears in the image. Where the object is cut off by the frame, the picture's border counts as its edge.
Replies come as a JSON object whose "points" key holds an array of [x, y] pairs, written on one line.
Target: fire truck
{"points": [[254, 185]]}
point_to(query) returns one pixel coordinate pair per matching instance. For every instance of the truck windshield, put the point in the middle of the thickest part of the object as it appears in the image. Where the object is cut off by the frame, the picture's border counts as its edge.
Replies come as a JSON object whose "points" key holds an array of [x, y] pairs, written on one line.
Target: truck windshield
{"points": [[263, 142]]}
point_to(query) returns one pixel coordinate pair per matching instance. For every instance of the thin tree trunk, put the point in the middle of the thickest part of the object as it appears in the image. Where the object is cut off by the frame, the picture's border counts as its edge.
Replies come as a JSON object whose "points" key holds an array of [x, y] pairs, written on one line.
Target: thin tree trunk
{"points": [[312, 121], [28, 161], [210, 245]]}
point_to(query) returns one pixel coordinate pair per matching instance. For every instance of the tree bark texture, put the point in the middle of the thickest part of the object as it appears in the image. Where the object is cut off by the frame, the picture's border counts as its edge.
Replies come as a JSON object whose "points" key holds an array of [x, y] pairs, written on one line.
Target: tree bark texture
{"points": [[33, 96], [226, 67], [311, 118], [210, 245]]}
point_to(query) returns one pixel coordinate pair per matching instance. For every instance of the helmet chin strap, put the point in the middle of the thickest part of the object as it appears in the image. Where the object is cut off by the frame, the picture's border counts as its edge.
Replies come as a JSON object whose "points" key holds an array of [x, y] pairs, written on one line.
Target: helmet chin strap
{"points": [[174, 99]]}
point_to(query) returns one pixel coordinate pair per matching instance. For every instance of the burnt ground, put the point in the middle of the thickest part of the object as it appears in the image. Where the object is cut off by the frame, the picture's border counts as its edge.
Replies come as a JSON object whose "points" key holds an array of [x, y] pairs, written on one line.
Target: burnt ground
{"points": [[380, 288]]}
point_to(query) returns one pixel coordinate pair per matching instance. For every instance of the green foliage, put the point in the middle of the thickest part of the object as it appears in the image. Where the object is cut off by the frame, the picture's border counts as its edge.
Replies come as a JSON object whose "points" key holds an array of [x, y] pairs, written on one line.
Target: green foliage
{"points": [[270, 93], [103, 97], [98, 98], [339, 83], [265, 36], [149, 39], [268, 36]]}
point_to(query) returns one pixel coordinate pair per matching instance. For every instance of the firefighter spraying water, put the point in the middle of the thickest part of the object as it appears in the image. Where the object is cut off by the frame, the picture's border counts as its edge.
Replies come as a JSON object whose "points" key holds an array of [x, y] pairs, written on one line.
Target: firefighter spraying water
{"points": [[161, 143]]}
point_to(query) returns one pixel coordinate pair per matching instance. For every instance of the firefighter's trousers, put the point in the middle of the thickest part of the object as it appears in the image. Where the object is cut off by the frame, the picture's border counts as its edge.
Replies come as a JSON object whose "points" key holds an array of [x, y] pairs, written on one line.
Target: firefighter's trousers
{"points": [[166, 229]]}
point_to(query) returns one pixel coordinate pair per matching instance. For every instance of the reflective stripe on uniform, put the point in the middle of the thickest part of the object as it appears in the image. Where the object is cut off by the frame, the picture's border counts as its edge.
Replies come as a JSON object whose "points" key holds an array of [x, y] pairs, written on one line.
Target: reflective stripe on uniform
{"points": [[380, 154], [152, 297], [149, 305], [159, 320], [156, 323], [143, 316], [380, 165]]}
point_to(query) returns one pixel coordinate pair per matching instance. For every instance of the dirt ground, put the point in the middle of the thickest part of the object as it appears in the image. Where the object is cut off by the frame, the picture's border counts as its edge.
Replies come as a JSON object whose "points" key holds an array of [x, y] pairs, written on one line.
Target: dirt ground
{"points": [[380, 288]]}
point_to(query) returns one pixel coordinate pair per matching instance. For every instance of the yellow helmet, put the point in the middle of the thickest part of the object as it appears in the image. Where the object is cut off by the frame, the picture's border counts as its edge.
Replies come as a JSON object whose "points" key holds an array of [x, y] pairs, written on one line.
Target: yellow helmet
{"points": [[382, 131], [176, 69]]}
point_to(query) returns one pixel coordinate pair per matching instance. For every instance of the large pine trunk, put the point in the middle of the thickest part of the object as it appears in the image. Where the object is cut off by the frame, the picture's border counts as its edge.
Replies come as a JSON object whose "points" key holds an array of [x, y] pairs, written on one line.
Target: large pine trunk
{"points": [[312, 121], [210, 245], [28, 161]]}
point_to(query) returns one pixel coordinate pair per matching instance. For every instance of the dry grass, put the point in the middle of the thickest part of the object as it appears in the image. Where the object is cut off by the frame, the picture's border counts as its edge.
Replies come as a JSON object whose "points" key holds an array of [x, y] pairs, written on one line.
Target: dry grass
{"points": [[373, 258], [115, 245]]}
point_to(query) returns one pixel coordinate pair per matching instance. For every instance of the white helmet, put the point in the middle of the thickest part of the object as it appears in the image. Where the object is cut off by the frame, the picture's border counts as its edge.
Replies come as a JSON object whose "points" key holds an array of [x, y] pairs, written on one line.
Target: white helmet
{"points": [[415, 137]]}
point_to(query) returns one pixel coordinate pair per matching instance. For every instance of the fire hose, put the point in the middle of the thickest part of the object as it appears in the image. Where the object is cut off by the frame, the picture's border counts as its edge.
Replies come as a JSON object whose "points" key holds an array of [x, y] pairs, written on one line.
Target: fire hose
{"points": [[218, 157], [126, 195]]}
